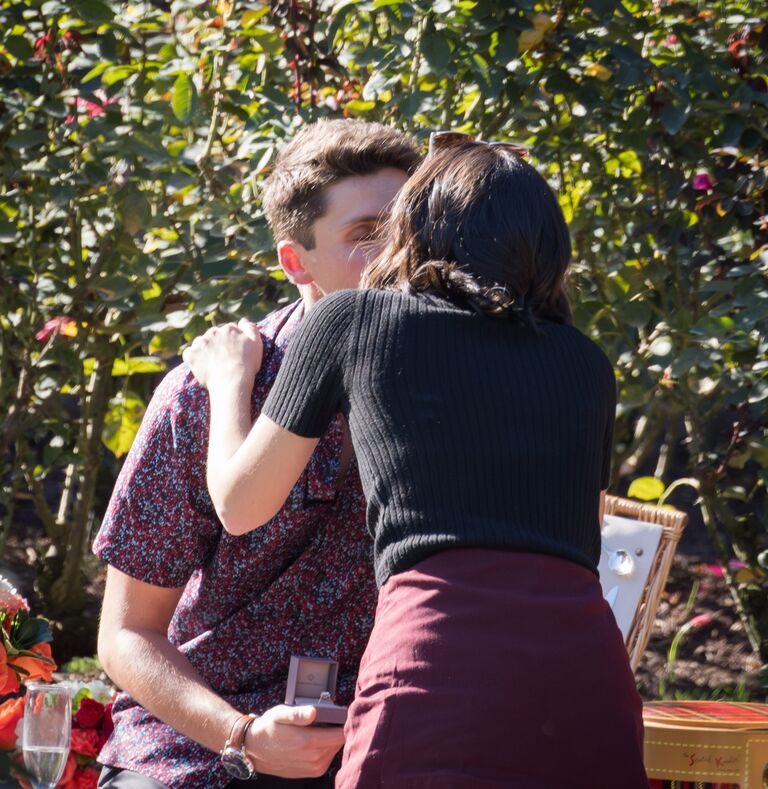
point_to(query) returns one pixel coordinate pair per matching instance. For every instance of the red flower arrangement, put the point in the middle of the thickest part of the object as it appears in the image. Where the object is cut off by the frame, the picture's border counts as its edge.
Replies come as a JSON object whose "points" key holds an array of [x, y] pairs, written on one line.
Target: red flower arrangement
{"points": [[25, 655], [91, 727]]}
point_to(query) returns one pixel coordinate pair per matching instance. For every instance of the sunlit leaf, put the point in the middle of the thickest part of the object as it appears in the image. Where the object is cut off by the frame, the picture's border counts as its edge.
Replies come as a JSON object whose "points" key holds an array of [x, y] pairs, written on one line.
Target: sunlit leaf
{"points": [[122, 422], [184, 98], [646, 489]]}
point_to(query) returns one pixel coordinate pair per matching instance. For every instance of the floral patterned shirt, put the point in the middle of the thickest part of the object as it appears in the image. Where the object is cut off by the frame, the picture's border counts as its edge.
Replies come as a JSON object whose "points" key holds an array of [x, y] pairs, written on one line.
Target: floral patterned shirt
{"points": [[302, 584]]}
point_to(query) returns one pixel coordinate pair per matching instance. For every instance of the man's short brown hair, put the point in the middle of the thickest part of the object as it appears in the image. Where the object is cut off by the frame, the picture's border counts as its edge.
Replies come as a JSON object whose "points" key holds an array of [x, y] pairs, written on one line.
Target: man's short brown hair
{"points": [[320, 155]]}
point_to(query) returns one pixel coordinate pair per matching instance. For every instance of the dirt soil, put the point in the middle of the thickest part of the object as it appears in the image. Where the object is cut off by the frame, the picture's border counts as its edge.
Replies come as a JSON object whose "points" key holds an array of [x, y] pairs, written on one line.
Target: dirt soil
{"points": [[714, 660]]}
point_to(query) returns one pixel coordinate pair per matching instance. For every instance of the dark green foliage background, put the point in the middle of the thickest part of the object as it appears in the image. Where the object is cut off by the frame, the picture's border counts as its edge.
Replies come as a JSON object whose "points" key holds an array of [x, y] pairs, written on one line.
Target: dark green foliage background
{"points": [[134, 136]]}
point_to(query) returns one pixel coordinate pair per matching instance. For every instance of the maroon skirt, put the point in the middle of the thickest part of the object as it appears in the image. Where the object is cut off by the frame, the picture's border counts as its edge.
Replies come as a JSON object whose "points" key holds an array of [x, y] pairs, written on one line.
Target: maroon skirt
{"points": [[491, 668]]}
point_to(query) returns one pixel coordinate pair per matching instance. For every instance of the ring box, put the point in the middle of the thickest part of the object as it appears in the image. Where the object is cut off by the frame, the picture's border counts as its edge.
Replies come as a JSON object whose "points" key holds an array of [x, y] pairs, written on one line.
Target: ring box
{"points": [[312, 681]]}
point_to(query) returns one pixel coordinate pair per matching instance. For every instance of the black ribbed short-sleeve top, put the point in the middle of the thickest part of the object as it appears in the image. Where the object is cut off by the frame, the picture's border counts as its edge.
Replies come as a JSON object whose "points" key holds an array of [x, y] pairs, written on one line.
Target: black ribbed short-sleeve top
{"points": [[468, 430]]}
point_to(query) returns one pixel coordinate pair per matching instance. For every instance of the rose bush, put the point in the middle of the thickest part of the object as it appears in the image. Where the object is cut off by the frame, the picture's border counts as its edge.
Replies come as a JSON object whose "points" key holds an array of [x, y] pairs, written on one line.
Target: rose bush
{"points": [[134, 137]]}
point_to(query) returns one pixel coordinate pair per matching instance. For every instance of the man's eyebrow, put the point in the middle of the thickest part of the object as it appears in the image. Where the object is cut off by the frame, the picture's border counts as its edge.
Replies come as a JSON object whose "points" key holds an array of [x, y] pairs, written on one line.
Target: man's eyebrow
{"points": [[362, 220]]}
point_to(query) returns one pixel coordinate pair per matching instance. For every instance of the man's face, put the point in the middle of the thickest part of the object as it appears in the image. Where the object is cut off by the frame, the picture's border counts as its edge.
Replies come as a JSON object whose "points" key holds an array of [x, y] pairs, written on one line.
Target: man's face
{"points": [[354, 208]]}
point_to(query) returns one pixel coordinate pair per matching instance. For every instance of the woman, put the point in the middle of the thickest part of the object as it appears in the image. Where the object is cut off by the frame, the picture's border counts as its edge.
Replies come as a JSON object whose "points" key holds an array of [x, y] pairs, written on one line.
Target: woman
{"points": [[482, 424]]}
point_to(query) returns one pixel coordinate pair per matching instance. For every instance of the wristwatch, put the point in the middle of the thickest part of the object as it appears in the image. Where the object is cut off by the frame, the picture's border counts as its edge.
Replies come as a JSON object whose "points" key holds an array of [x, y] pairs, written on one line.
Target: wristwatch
{"points": [[234, 758]]}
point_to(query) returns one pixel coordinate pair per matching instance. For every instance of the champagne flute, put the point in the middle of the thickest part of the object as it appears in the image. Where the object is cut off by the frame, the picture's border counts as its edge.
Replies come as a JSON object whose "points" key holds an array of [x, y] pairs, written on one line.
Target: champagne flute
{"points": [[46, 733]]}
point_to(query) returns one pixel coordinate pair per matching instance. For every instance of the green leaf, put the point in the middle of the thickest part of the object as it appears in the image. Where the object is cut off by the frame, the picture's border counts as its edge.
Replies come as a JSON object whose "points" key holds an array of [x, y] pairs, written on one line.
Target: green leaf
{"points": [[602, 8], [339, 18], [134, 210], [673, 117], [135, 365], [759, 391], [114, 74], [733, 127], [19, 47], [661, 346], [96, 71], [358, 106], [31, 138], [8, 232], [436, 51], [507, 47], [635, 313], [184, 98], [93, 11], [28, 631], [122, 422], [251, 17], [646, 489]]}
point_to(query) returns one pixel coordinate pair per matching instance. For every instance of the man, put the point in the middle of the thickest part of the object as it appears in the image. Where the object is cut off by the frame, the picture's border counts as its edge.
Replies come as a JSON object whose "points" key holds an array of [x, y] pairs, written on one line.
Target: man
{"points": [[198, 627]]}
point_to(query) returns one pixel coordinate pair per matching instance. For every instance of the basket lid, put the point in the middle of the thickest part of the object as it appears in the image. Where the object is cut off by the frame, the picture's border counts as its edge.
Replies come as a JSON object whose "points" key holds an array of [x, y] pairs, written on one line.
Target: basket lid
{"points": [[707, 714]]}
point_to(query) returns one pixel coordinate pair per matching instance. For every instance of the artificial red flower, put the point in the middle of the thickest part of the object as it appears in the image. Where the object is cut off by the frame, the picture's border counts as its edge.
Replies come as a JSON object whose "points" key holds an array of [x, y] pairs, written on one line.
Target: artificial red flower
{"points": [[11, 712], [38, 666], [61, 324], [90, 714], [85, 742]]}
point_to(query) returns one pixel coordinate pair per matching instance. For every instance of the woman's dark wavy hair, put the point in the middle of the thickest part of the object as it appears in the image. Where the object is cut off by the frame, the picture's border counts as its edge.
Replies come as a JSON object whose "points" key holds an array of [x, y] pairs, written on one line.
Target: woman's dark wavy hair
{"points": [[480, 226]]}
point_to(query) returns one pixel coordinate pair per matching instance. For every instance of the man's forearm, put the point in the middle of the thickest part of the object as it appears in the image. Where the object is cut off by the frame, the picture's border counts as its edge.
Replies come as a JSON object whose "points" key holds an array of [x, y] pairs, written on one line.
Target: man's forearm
{"points": [[146, 665], [281, 742]]}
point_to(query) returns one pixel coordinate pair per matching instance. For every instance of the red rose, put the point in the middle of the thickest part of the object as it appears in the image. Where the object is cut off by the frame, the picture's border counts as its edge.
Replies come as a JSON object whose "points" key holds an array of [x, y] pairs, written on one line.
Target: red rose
{"points": [[86, 778], [85, 742], [67, 779], [107, 725], [90, 714]]}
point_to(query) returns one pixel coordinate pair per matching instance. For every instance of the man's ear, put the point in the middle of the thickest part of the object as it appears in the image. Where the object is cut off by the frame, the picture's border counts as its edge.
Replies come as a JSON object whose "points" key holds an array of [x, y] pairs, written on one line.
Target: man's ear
{"points": [[292, 255]]}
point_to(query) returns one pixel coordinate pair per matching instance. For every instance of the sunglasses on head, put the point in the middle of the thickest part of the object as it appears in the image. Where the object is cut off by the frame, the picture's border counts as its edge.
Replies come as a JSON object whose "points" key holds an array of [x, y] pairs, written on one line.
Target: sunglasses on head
{"points": [[445, 139]]}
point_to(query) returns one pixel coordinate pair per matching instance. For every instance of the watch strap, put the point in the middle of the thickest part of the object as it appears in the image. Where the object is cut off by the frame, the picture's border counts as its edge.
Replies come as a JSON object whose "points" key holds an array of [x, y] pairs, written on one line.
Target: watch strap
{"points": [[238, 732]]}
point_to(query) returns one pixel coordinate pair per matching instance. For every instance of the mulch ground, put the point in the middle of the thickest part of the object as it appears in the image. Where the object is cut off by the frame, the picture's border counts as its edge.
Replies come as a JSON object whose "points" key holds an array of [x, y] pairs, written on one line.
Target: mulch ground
{"points": [[714, 661]]}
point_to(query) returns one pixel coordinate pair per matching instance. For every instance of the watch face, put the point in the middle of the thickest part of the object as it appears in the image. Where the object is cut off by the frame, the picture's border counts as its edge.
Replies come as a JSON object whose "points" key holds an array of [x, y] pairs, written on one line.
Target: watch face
{"points": [[236, 763]]}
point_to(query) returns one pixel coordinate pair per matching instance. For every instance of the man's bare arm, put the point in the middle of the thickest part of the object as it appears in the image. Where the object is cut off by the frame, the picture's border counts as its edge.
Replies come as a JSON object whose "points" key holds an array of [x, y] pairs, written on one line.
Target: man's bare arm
{"points": [[136, 654]]}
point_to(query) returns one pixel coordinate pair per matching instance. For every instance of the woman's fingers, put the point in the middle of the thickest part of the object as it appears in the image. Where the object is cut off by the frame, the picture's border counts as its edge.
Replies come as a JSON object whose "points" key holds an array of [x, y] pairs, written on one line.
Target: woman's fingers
{"points": [[232, 351], [249, 328]]}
